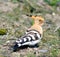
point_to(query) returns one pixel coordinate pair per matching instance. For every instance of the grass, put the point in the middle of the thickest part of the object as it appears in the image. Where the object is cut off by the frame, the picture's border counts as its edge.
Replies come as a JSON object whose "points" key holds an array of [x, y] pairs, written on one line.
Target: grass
{"points": [[14, 1], [54, 52], [52, 2], [31, 55]]}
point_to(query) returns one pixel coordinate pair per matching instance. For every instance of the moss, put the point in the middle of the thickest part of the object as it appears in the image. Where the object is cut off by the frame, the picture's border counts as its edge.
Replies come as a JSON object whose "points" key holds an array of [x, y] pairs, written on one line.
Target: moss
{"points": [[3, 31]]}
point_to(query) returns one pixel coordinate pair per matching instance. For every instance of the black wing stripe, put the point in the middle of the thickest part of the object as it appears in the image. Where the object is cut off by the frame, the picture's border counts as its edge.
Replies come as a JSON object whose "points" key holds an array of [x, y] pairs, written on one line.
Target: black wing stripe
{"points": [[30, 36]]}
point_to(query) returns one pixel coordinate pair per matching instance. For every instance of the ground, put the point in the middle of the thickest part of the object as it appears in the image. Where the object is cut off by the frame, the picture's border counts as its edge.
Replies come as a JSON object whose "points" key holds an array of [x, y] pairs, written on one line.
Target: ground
{"points": [[14, 22]]}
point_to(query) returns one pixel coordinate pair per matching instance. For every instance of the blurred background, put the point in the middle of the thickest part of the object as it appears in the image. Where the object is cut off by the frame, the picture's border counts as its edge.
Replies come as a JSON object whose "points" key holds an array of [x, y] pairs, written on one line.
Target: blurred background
{"points": [[14, 22]]}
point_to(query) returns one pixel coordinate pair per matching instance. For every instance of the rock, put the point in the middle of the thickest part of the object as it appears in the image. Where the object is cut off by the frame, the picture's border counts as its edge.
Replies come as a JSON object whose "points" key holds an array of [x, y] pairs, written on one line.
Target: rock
{"points": [[58, 4], [7, 42], [53, 13], [43, 50]]}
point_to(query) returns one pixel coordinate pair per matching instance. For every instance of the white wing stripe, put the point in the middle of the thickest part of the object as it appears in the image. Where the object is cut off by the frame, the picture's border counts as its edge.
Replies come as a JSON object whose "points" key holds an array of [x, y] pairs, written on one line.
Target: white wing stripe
{"points": [[25, 39], [32, 36]]}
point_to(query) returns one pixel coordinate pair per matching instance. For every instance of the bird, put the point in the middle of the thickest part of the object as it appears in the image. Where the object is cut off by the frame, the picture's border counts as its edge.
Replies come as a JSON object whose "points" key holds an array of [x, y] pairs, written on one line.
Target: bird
{"points": [[33, 34]]}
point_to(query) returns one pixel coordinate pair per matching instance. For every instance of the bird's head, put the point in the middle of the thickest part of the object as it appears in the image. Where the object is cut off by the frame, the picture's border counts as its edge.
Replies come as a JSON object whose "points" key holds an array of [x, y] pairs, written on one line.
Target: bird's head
{"points": [[38, 20]]}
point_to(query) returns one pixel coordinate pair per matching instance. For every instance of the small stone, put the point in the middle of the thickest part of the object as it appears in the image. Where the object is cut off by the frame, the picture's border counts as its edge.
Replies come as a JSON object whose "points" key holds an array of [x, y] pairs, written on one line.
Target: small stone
{"points": [[7, 42], [53, 13], [43, 50]]}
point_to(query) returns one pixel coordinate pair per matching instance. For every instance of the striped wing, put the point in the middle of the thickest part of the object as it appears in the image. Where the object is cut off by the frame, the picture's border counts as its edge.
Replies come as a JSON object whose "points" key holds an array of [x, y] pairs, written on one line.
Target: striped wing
{"points": [[31, 38]]}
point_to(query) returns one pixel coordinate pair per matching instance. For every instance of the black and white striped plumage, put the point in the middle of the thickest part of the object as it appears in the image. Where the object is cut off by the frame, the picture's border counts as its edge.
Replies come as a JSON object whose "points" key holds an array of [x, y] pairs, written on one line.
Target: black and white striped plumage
{"points": [[31, 38]]}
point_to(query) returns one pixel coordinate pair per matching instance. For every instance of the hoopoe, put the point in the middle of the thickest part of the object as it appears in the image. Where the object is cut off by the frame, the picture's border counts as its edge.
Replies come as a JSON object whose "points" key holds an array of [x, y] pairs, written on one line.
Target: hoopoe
{"points": [[33, 35]]}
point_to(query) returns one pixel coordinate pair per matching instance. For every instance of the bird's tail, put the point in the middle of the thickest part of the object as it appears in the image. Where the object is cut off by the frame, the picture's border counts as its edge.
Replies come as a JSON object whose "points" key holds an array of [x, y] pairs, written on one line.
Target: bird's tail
{"points": [[21, 42], [15, 47]]}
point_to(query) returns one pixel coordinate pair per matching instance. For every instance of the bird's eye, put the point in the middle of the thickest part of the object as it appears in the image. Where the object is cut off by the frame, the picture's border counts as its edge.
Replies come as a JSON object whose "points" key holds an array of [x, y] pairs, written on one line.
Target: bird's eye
{"points": [[39, 20]]}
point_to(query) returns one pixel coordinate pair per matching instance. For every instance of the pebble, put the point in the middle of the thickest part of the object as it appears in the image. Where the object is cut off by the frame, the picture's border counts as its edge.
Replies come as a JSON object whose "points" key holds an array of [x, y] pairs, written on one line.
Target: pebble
{"points": [[43, 50], [53, 13], [7, 42]]}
